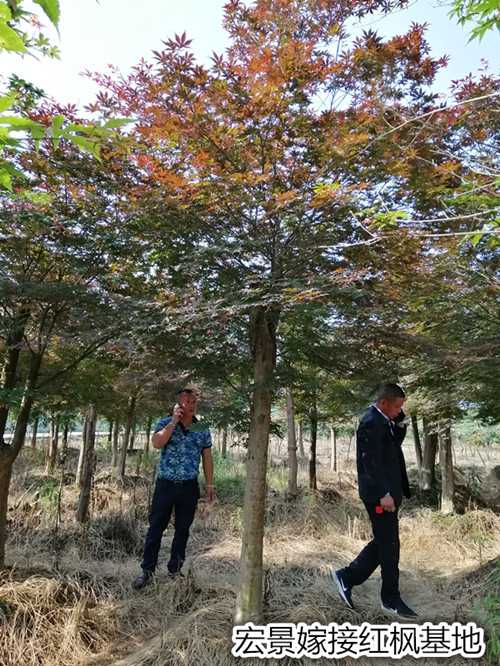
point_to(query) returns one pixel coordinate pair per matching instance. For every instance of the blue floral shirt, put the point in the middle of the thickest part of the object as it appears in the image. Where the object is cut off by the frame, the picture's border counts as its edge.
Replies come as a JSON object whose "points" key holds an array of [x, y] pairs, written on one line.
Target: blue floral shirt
{"points": [[180, 458]]}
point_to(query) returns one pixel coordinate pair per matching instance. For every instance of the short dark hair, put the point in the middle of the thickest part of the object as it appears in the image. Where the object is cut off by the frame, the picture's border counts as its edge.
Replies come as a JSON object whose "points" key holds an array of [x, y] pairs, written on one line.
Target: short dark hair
{"points": [[389, 391], [190, 391]]}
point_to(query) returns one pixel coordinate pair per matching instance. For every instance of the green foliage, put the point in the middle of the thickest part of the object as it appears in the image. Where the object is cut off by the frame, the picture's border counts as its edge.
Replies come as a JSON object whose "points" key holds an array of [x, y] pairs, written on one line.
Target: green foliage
{"points": [[51, 9], [488, 613], [474, 432], [49, 493], [229, 478], [485, 14], [16, 129], [13, 21]]}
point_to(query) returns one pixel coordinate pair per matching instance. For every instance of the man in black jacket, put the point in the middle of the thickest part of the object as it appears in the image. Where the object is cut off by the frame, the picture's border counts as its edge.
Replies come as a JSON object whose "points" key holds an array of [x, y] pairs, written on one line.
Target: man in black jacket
{"points": [[382, 481]]}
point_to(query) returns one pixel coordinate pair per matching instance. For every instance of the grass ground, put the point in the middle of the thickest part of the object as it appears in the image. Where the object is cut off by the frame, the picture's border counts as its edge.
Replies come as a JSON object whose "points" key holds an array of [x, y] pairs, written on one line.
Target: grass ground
{"points": [[67, 598]]}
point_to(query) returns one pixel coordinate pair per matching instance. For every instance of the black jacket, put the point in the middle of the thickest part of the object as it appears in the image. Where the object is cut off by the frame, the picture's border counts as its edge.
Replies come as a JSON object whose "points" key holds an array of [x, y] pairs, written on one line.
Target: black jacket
{"points": [[379, 458]]}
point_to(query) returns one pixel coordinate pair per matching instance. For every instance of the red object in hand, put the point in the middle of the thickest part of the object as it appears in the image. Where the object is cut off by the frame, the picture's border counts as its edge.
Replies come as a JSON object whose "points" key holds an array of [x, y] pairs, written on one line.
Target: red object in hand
{"points": [[379, 509]]}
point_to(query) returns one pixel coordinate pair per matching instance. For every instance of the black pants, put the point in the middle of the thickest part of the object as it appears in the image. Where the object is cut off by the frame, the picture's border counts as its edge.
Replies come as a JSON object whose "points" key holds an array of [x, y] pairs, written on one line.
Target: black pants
{"points": [[383, 549], [182, 497]]}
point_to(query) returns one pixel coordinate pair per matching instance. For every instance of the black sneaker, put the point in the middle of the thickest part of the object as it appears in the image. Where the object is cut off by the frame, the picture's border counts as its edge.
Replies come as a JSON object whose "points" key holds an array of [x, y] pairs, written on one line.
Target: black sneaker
{"points": [[175, 574], [142, 580], [344, 590], [398, 608]]}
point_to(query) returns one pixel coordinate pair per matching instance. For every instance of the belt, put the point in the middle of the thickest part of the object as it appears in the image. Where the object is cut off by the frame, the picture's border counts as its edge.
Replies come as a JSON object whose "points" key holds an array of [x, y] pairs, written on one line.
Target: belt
{"points": [[180, 482]]}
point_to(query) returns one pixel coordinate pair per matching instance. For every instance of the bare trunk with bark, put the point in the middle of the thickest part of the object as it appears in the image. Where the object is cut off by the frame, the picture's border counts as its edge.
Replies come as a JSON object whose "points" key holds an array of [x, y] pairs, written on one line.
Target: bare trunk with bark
{"points": [[333, 449], [87, 470], [34, 432], [250, 593], [6, 462], [428, 472], [114, 447], [126, 435], [223, 449], [53, 444], [300, 437], [149, 426], [292, 444], [13, 346], [313, 421], [81, 455], [65, 443], [132, 434], [418, 445], [446, 467], [8, 454]]}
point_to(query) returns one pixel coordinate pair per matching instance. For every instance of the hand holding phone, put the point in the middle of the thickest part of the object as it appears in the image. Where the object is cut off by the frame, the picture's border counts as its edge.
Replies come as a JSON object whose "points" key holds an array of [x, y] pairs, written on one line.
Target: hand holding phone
{"points": [[177, 414]]}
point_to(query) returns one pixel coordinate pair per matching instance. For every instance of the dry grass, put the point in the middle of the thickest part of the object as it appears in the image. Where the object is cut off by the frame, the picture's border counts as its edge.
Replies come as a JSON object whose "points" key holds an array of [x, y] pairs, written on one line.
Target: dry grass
{"points": [[68, 601]]}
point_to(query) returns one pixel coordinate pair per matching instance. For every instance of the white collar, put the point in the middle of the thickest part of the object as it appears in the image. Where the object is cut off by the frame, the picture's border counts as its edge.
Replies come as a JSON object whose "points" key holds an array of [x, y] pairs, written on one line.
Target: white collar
{"points": [[381, 412]]}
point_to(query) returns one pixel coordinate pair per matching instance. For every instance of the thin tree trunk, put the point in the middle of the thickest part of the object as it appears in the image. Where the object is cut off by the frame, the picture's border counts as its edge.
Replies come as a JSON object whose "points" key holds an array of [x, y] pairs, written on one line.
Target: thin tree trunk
{"points": [[8, 382], [6, 463], [8, 376], [292, 444], [300, 435], [428, 473], [149, 425], [35, 432], [132, 435], [8, 454], [114, 449], [26, 404], [81, 455], [333, 449], [313, 419], [128, 428], [446, 467], [224, 443], [250, 593], [65, 438], [418, 445], [110, 433], [53, 444], [82, 511]]}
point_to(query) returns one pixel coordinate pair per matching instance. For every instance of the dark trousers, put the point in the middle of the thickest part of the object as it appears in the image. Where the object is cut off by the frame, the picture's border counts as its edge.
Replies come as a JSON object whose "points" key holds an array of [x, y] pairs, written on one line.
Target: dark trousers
{"points": [[182, 497], [383, 549]]}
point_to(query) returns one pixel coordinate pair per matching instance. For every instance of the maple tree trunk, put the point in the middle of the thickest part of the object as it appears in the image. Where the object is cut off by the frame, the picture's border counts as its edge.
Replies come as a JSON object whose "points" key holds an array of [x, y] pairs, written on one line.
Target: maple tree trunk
{"points": [[292, 444], [126, 436], [8, 382], [333, 449], [87, 468], [65, 441], [6, 463], [149, 426], [250, 593], [224, 443], [300, 435], [428, 472], [114, 446], [8, 454], [35, 432], [8, 376], [132, 435], [446, 467], [418, 445], [313, 420], [53, 444], [81, 454]]}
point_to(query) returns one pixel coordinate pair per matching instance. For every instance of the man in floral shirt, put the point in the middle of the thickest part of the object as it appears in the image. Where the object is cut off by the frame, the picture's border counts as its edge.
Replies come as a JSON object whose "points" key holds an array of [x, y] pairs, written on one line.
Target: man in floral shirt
{"points": [[182, 442]]}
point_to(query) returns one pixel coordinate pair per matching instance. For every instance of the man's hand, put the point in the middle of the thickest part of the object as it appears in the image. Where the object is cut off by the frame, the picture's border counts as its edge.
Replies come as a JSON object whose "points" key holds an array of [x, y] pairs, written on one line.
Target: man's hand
{"points": [[210, 492], [177, 414], [387, 503]]}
